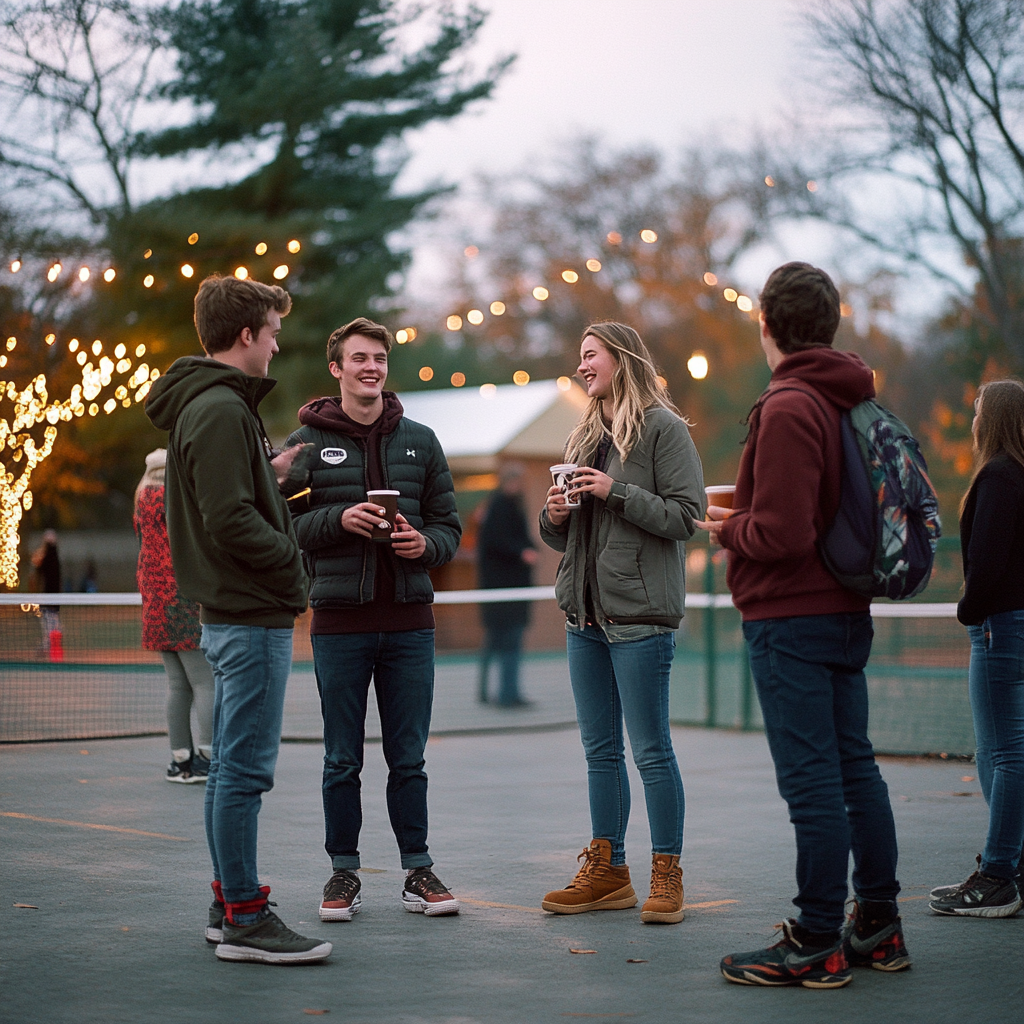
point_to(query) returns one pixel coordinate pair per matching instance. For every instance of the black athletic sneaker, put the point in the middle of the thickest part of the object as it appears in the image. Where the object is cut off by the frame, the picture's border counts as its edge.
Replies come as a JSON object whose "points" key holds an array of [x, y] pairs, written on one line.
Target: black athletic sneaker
{"points": [[873, 936], [424, 893], [980, 896], [341, 900], [200, 768], [180, 771], [270, 941], [947, 890], [215, 925], [791, 961]]}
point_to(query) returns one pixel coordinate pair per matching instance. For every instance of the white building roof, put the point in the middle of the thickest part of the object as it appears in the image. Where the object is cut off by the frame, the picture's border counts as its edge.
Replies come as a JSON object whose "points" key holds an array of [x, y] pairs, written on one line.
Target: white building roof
{"points": [[475, 426]]}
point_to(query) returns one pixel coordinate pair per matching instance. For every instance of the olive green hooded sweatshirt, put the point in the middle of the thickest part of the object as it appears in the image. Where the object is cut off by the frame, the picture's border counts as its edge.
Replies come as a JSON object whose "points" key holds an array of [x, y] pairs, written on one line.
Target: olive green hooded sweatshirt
{"points": [[230, 530]]}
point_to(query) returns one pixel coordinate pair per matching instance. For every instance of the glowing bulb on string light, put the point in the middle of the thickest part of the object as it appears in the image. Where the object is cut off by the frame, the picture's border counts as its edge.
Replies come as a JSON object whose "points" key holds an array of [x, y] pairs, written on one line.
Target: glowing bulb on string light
{"points": [[744, 303], [710, 279], [458, 380], [294, 245], [564, 384], [401, 337], [281, 272], [497, 308], [570, 276], [54, 272], [109, 274], [769, 181], [50, 339], [730, 295], [140, 351], [147, 281], [241, 273], [488, 390], [97, 347], [540, 293], [649, 236], [15, 266], [11, 342], [193, 238], [426, 373], [812, 186], [454, 322], [471, 252], [120, 351], [474, 316], [613, 238], [147, 254], [593, 266], [187, 270], [73, 345], [697, 364], [520, 377], [261, 248], [83, 274]]}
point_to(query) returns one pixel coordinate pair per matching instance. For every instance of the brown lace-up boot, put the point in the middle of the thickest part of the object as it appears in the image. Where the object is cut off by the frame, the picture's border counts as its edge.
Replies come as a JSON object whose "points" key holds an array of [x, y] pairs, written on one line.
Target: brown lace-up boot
{"points": [[597, 886], [665, 904]]}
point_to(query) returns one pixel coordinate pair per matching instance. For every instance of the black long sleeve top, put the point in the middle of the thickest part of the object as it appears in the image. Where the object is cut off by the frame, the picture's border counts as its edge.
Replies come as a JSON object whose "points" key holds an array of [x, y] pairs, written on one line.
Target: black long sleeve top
{"points": [[992, 542]]}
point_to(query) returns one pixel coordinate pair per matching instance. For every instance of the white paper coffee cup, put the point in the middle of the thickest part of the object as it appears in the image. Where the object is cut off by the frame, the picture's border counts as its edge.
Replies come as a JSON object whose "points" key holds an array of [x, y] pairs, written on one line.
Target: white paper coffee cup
{"points": [[562, 475]]}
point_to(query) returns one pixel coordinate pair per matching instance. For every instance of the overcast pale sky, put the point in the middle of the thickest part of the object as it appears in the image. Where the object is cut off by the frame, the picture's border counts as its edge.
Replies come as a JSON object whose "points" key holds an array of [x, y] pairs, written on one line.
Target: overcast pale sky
{"points": [[631, 71]]}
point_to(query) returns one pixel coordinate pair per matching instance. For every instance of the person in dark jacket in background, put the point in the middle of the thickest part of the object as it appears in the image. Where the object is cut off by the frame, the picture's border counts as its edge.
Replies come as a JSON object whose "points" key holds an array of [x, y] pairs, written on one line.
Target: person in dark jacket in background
{"points": [[505, 555], [809, 639], [48, 580], [235, 552], [992, 609], [372, 615]]}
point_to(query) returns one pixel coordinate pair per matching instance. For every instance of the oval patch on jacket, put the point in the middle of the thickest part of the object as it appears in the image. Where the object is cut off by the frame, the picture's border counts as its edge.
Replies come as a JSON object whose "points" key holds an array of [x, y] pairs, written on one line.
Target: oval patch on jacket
{"points": [[333, 456]]}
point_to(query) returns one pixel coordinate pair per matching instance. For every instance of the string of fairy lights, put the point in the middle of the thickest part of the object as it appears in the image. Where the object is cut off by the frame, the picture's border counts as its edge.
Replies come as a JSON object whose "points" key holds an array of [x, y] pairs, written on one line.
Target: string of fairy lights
{"points": [[697, 365]]}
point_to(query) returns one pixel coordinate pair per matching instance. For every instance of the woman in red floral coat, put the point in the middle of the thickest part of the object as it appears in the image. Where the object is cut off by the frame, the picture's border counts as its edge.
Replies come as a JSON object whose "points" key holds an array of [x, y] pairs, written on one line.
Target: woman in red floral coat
{"points": [[170, 625]]}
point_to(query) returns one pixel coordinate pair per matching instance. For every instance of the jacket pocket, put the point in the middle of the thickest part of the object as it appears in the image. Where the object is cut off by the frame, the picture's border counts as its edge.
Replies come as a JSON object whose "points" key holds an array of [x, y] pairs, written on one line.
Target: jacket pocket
{"points": [[621, 588]]}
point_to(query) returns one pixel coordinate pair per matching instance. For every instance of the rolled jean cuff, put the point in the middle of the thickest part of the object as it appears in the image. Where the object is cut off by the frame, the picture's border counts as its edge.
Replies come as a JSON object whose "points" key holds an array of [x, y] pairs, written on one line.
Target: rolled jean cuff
{"points": [[345, 862], [417, 860]]}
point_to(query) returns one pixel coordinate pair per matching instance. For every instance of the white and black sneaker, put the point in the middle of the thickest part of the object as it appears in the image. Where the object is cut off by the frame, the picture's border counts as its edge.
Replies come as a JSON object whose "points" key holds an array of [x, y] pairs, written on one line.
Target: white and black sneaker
{"points": [[424, 893], [980, 896], [341, 900]]}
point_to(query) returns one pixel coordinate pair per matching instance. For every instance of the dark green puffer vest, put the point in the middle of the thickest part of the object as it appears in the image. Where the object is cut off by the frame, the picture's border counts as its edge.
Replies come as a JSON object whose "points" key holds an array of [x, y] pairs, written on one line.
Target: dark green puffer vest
{"points": [[341, 564]]}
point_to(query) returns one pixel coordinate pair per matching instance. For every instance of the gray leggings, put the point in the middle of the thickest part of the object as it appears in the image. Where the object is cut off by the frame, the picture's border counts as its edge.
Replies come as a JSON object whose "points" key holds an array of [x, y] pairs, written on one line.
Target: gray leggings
{"points": [[189, 679]]}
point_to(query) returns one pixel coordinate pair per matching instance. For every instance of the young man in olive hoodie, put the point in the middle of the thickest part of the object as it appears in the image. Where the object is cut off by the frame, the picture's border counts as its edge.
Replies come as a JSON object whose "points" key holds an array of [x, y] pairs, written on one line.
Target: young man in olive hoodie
{"points": [[234, 551], [372, 614], [809, 639]]}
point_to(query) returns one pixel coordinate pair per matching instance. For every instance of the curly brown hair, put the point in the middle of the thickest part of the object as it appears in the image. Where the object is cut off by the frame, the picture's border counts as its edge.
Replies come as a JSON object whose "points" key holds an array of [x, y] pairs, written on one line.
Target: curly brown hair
{"points": [[800, 307]]}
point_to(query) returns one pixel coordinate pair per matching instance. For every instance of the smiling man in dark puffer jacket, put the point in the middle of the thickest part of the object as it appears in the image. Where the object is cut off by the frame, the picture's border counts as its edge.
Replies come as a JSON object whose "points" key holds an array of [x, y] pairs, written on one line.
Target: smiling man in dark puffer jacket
{"points": [[371, 604]]}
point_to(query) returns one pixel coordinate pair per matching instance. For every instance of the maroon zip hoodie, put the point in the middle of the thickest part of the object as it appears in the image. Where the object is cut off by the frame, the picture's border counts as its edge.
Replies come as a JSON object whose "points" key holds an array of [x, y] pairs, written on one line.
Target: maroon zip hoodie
{"points": [[787, 489]]}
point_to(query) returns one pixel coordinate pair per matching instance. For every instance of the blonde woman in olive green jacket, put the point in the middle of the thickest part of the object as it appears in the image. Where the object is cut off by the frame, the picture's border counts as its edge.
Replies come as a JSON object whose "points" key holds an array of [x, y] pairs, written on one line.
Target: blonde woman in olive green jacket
{"points": [[621, 586]]}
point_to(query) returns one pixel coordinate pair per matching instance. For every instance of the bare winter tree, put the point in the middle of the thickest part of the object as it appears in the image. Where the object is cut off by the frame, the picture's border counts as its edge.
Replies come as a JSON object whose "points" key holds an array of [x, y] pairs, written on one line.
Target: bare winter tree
{"points": [[74, 75], [931, 94]]}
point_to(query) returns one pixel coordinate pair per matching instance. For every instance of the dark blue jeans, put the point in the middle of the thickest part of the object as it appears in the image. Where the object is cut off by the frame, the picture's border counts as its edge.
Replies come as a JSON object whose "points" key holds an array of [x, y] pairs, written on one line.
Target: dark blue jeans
{"points": [[401, 666], [250, 671], [629, 679], [504, 643], [997, 702], [809, 673]]}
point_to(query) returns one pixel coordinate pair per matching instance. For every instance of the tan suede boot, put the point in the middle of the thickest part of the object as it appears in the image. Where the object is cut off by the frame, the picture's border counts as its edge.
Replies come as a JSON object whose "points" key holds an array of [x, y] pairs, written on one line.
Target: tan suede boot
{"points": [[597, 886], [665, 904]]}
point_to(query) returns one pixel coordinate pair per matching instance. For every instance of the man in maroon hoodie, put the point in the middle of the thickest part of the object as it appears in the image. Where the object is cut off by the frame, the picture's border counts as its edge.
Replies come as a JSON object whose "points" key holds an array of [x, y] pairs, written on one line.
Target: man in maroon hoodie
{"points": [[809, 639], [371, 600]]}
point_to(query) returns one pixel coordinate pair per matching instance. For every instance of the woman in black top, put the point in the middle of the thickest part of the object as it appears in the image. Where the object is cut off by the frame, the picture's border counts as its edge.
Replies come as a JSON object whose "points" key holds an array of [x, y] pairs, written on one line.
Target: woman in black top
{"points": [[992, 608]]}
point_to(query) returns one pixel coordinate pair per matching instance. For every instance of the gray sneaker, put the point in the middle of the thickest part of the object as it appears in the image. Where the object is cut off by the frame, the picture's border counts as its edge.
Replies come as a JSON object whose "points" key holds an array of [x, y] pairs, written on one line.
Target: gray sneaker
{"points": [[270, 941], [980, 896]]}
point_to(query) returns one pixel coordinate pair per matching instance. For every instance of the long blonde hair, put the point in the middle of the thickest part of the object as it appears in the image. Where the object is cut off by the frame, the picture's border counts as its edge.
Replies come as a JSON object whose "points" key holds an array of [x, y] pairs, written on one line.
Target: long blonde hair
{"points": [[1000, 426], [635, 388]]}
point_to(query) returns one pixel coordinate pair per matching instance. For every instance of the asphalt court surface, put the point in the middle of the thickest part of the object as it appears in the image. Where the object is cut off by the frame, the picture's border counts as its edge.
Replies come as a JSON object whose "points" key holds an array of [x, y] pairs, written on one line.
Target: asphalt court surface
{"points": [[114, 861]]}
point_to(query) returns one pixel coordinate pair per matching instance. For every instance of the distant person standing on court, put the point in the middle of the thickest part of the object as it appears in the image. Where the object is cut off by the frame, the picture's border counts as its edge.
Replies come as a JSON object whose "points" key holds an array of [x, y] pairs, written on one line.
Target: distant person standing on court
{"points": [[235, 553], [505, 557], [170, 625], [372, 615], [809, 640], [49, 580]]}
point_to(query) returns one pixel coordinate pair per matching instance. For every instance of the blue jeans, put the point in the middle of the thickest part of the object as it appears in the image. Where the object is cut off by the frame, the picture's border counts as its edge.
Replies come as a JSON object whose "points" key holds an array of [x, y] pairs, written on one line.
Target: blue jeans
{"points": [[809, 673], [997, 702], [401, 665], [504, 643], [627, 680], [250, 670]]}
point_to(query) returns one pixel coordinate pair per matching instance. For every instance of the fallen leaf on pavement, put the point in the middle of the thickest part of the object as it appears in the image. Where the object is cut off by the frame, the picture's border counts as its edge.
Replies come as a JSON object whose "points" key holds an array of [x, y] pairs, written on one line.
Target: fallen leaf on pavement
{"points": [[637, 961], [25, 906], [582, 950]]}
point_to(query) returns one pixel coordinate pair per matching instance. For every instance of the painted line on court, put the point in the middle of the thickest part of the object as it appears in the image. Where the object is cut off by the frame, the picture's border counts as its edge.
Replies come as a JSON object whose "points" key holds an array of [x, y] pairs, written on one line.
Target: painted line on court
{"points": [[536, 910], [101, 828]]}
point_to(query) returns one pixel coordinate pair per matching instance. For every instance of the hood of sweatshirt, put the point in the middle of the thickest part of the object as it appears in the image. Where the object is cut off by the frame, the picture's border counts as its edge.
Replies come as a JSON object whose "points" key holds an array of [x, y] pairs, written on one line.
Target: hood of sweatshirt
{"points": [[190, 376], [327, 414], [842, 377]]}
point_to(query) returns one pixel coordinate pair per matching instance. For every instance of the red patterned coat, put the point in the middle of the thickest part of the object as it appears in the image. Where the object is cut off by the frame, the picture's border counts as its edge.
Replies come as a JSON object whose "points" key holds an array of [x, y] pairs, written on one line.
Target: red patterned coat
{"points": [[170, 622]]}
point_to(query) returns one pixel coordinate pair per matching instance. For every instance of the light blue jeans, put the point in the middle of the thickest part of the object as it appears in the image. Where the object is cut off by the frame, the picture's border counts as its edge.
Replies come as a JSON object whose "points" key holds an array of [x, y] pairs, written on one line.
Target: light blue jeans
{"points": [[627, 680], [997, 703], [250, 670]]}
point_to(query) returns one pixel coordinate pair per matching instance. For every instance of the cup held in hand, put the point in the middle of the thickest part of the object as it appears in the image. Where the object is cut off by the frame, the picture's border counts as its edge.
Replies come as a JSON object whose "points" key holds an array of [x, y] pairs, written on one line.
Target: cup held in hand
{"points": [[562, 474], [387, 508], [721, 495]]}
